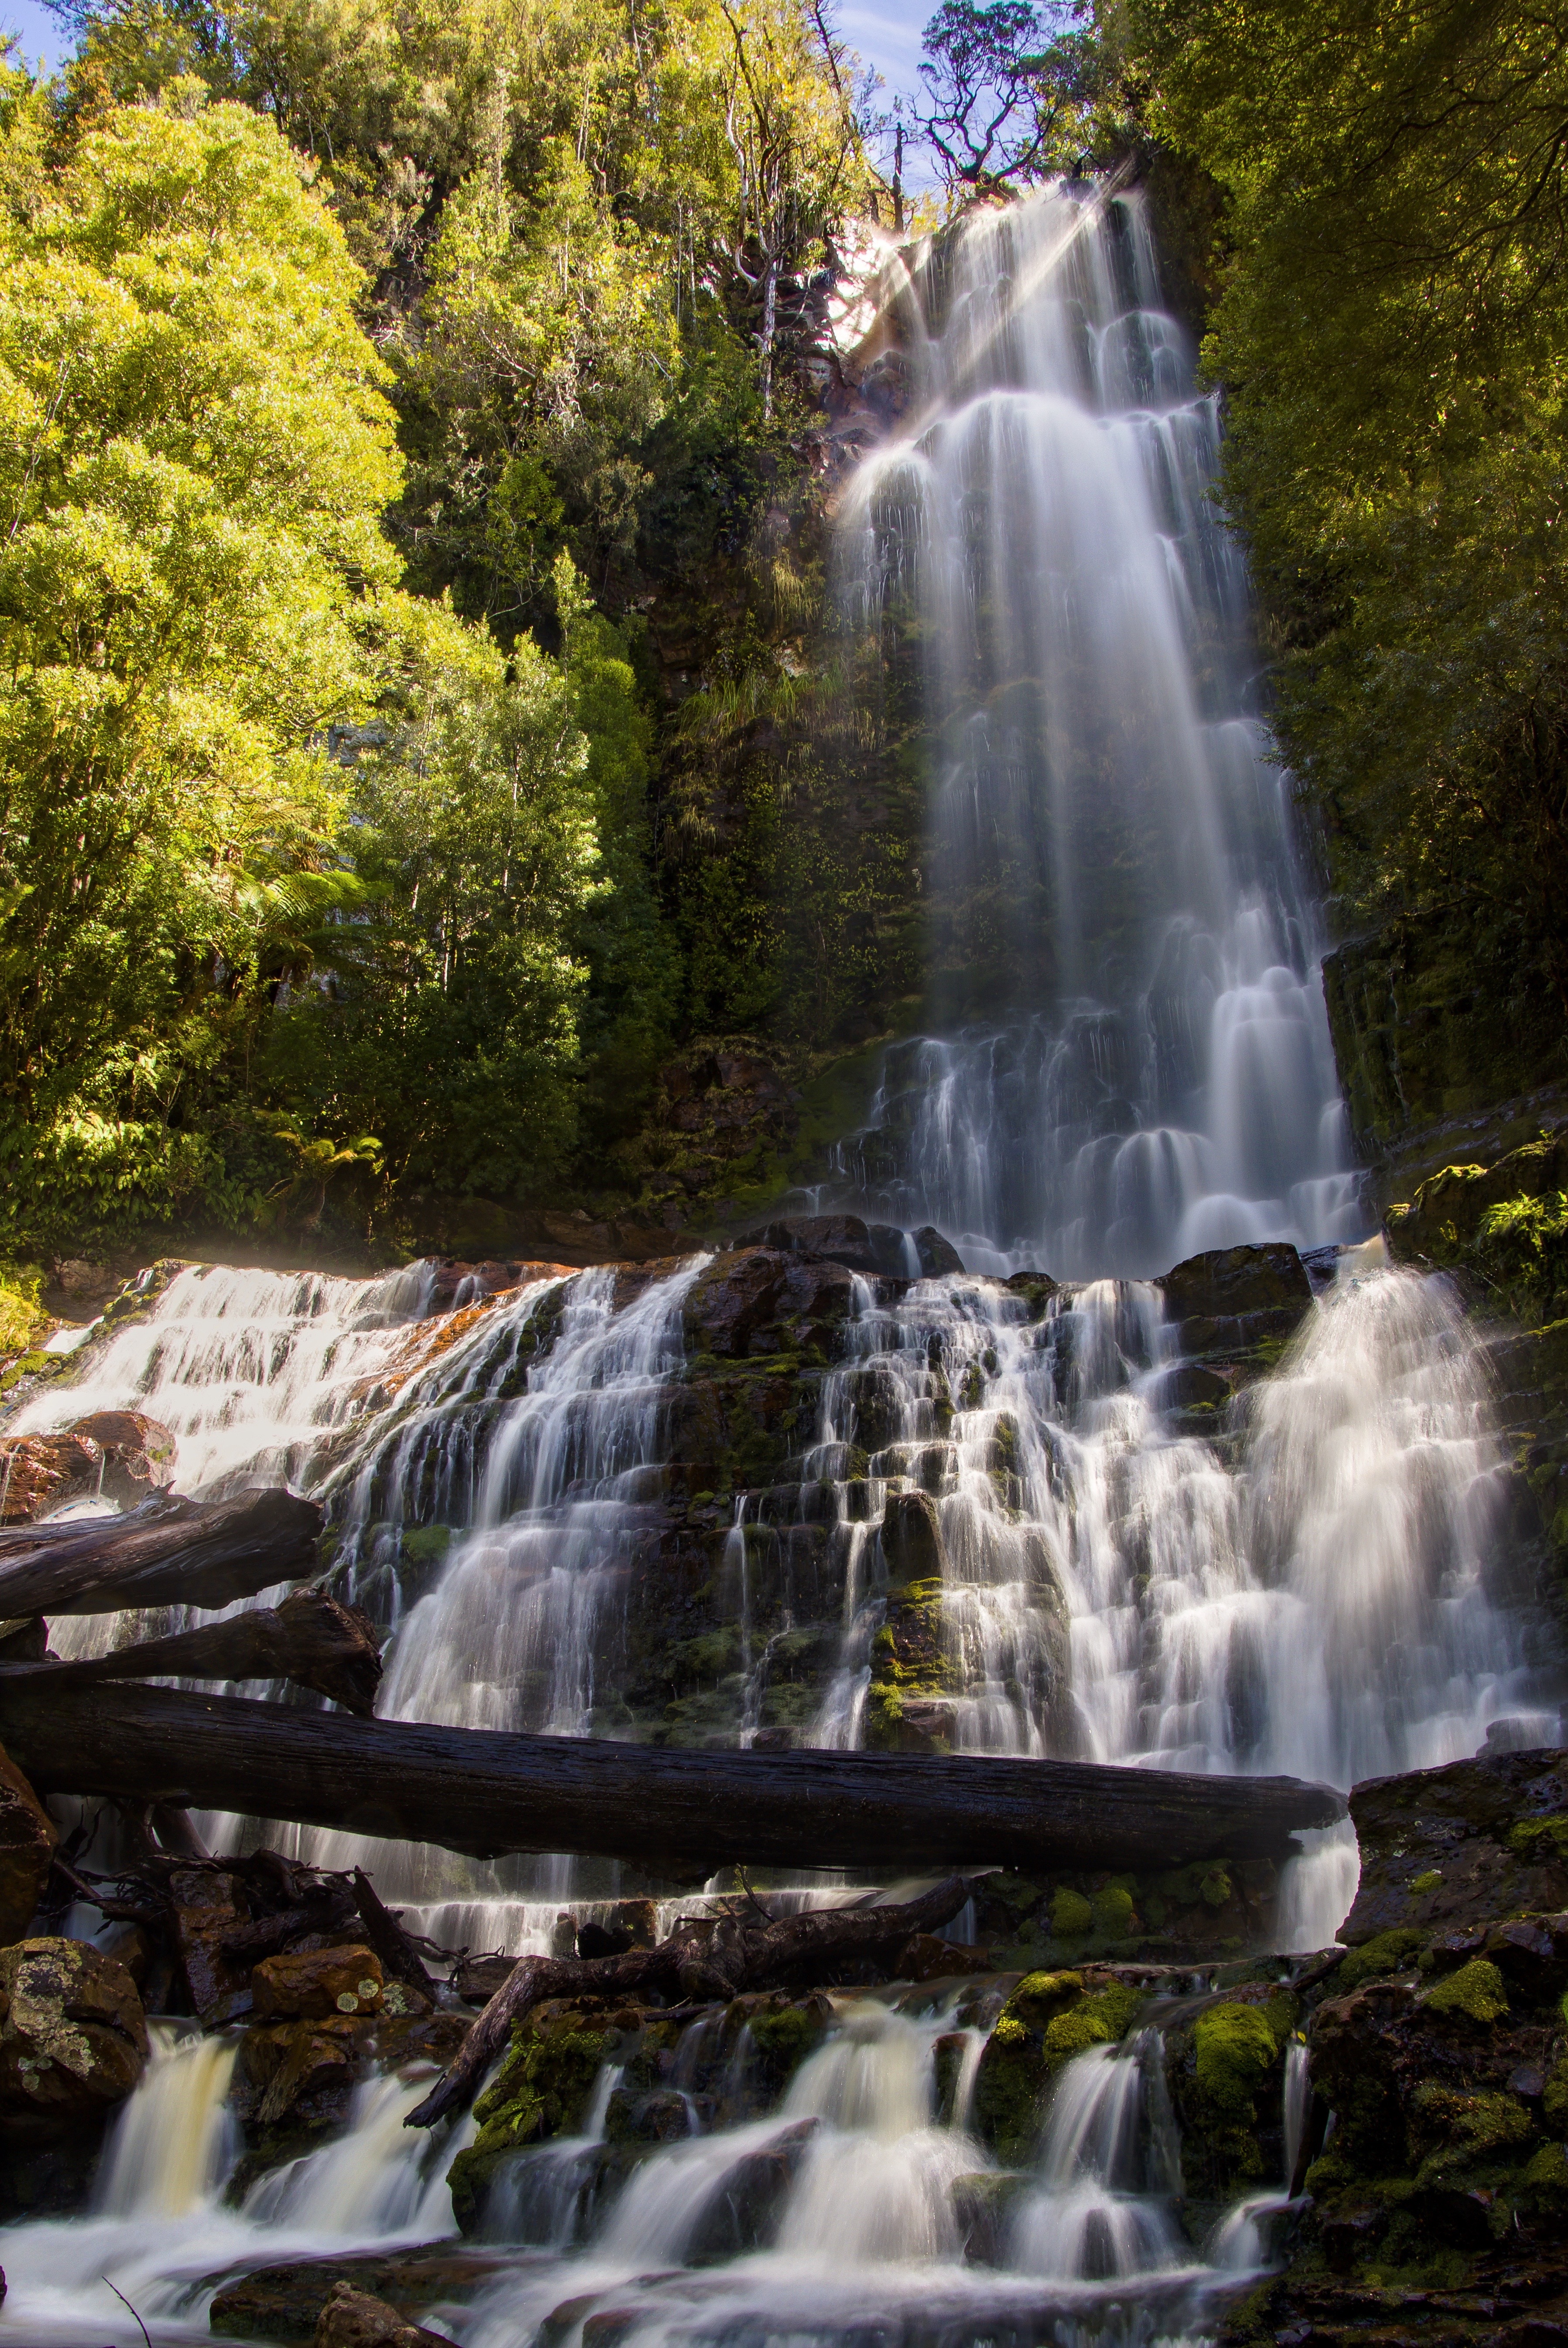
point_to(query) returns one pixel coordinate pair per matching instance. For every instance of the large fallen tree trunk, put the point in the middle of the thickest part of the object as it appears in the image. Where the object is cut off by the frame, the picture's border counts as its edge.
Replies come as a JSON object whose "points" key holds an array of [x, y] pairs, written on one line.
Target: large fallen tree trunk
{"points": [[169, 1552], [310, 1639], [701, 1958], [678, 1813]]}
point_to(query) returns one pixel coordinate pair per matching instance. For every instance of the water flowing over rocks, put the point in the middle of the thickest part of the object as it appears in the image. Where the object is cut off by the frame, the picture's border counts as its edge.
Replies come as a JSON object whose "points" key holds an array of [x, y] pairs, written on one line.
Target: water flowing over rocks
{"points": [[1066, 1426]]}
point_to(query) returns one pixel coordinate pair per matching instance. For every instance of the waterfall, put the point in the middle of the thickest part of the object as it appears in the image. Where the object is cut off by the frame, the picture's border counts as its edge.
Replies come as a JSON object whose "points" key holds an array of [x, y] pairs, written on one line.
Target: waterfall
{"points": [[1132, 1060]]}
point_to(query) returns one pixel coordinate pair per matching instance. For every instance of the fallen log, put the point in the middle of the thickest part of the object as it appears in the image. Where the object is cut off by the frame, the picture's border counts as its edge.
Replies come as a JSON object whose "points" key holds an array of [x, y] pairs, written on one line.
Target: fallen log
{"points": [[310, 1638], [671, 1812], [701, 1958], [169, 1552], [400, 1959]]}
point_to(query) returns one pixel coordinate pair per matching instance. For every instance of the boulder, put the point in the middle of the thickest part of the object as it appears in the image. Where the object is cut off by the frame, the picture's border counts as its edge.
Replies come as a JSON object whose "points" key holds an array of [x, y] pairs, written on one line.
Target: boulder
{"points": [[874, 1248], [314, 1983], [285, 2302], [1440, 1848], [352, 2318], [118, 1455], [138, 1454], [28, 1841], [1228, 1283], [74, 2038], [765, 1301], [938, 1256]]}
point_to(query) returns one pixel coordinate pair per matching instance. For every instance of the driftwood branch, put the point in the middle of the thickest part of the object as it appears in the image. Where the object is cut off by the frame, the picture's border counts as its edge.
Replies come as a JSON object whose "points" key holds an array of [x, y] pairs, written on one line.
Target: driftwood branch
{"points": [[170, 1551], [700, 1959], [311, 1638], [681, 1813]]}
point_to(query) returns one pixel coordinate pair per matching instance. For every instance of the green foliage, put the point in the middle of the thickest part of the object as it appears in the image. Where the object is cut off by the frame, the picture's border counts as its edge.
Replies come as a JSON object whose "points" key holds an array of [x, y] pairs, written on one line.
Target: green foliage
{"points": [[20, 1319], [195, 449], [1392, 333]]}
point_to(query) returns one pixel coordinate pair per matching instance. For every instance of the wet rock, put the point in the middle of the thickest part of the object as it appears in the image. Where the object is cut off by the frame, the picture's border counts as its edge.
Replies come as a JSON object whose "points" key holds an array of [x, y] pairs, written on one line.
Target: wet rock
{"points": [[938, 1256], [1481, 1839], [73, 2039], [873, 1248], [746, 2216], [912, 1538], [983, 2207], [28, 1841], [1230, 1283], [1225, 2072], [661, 2117], [40, 1473], [542, 2090], [352, 2318], [927, 1957], [1049, 2018], [316, 1982], [137, 1454], [207, 1907], [764, 1300], [285, 2302]]}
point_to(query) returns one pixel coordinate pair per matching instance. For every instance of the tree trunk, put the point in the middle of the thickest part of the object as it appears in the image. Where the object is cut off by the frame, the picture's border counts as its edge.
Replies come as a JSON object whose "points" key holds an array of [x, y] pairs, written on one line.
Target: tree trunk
{"points": [[702, 1959], [170, 1551], [310, 1639], [679, 1813]]}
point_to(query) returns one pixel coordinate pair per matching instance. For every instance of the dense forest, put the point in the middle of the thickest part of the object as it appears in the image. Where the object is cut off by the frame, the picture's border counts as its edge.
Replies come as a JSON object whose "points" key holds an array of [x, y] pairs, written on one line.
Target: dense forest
{"points": [[431, 748]]}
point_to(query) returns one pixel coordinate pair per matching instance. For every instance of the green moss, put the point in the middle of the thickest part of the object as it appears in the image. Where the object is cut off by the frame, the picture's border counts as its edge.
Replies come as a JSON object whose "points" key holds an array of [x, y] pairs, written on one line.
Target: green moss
{"points": [[1237, 2052], [1554, 2102], [1216, 1887], [1390, 1952], [1540, 1839], [1040, 1996], [541, 2090], [1463, 2132], [783, 2040], [1113, 1912], [1476, 1991], [1546, 2181], [1100, 2021], [1072, 1917], [1427, 1882], [426, 1544]]}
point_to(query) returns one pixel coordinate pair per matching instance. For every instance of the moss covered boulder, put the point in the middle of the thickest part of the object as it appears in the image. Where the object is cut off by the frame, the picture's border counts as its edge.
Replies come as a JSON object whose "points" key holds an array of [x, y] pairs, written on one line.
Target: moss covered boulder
{"points": [[1225, 2071], [543, 2089], [1049, 2018]]}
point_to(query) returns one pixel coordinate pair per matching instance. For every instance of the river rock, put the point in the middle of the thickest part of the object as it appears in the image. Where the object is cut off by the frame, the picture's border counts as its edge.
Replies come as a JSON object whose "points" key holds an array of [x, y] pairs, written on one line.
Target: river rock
{"points": [[1481, 1839], [74, 2038], [284, 2301], [316, 1982], [352, 2318], [28, 1841], [117, 1454]]}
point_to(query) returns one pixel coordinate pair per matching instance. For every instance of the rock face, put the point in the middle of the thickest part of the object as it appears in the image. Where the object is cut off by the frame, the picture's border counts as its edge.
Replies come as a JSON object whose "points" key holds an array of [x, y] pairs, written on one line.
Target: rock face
{"points": [[26, 1843], [73, 2039]]}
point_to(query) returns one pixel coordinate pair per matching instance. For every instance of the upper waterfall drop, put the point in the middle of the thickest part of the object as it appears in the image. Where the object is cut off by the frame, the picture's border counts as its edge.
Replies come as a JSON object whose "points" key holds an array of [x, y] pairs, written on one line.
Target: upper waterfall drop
{"points": [[1130, 1059]]}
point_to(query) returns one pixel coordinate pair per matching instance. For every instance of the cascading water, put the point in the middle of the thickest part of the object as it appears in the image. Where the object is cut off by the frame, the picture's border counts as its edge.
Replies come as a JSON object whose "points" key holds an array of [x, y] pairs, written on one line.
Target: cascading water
{"points": [[1134, 1061], [1307, 1585]]}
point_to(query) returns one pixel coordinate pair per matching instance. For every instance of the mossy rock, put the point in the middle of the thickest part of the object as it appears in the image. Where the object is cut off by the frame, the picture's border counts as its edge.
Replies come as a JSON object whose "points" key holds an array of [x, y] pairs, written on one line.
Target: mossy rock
{"points": [[1476, 1992], [1390, 1952], [542, 2090], [1226, 2073], [1049, 2018]]}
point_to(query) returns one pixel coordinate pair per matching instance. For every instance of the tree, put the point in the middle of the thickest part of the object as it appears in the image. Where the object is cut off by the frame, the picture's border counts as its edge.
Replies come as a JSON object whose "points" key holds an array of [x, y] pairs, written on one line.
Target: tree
{"points": [[1003, 99], [195, 450], [1393, 338]]}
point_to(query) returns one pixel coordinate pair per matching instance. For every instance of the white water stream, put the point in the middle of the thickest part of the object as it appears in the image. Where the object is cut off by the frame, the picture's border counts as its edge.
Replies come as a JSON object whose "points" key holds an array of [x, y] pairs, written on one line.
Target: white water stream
{"points": [[1307, 1586]]}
